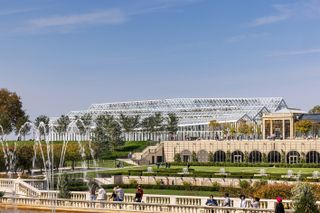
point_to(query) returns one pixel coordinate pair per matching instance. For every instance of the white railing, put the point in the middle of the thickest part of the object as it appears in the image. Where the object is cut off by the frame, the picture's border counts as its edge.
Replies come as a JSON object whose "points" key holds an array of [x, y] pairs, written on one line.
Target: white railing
{"points": [[94, 206], [23, 190]]}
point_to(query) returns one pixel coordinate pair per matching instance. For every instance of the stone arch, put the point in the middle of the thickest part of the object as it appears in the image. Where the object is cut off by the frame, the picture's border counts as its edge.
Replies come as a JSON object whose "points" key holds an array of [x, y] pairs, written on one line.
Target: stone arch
{"points": [[255, 157], [313, 157], [274, 157], [219, 156], [237, 156], [185, 156], [202, 156], [293, 157]]}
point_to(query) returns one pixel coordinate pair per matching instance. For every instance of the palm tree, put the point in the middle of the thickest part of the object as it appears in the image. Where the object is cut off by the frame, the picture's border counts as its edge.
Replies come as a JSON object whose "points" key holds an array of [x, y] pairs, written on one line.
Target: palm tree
{"points": [[107, 132], [172, 124], [153, 123], [214, 125], [45, 119], [62, 124], [83, 122], [129, 123]]}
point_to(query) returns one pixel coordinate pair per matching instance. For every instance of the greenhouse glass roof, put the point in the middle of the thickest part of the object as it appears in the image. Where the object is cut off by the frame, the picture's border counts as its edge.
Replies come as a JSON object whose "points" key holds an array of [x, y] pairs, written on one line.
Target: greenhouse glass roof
{"points": [[192, 111]]}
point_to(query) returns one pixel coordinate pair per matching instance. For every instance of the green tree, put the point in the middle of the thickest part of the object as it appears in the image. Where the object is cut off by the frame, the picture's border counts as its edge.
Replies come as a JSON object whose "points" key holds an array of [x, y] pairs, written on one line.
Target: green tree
{"points": [[129, 123], [172, 124], [62, 124], [11, 113], [23, 130], [153, 123], [304, 200], [315, 110], [24, 154], [107, 133], [64, 191], [45, 119], [211, 157], [177, 158], [214, 125], [84, 122], [303, 126], [233, 131], [194, 157]]}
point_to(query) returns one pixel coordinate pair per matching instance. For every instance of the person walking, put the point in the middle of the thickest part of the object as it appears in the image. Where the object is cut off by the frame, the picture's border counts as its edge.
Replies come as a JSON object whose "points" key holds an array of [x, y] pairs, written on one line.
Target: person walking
{"points": [[119, 193], [113, 196], [93, 189], [279, 206], [139, 194], [227, 201], [243, 202]]}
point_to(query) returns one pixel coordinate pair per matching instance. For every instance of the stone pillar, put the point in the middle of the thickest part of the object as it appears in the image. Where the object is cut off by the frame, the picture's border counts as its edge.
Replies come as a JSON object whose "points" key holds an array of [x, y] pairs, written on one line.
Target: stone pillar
{"points": [[283, 129]]}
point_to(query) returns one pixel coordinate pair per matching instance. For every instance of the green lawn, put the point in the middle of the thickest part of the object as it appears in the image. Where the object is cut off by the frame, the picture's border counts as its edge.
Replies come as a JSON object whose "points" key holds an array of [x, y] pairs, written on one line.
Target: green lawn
{"points": [[252, 170], [175, 192]]}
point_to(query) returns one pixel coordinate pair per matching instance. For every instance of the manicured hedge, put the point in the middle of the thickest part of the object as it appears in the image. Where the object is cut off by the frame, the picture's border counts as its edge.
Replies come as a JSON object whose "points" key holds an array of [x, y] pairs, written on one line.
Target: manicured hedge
{"points": [[228, 164]]}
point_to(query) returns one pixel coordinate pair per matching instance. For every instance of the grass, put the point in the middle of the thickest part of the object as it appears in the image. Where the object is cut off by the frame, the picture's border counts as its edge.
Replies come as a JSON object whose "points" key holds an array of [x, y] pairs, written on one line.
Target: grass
{"points": [[176, 192], [251, 170]]}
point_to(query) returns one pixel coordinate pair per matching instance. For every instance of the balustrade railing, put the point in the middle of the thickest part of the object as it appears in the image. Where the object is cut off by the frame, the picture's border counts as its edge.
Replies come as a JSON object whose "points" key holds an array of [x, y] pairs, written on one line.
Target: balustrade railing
{"points": [[95, 206]]}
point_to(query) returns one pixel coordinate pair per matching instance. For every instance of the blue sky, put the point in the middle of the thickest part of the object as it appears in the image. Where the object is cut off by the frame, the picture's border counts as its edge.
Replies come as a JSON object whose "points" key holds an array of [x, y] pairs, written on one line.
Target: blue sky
{"points": [[64, 55]]}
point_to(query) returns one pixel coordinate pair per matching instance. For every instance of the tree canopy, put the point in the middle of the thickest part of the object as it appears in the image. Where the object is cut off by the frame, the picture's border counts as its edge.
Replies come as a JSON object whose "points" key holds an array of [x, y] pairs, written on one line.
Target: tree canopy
{"points": [[12, 116], [315, 109]]}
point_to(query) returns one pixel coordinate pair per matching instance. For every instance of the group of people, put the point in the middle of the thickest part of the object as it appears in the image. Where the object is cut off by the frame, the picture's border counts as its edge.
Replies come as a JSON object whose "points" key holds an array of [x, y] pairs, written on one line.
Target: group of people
{"points": [[116, 195], [254, 203]]}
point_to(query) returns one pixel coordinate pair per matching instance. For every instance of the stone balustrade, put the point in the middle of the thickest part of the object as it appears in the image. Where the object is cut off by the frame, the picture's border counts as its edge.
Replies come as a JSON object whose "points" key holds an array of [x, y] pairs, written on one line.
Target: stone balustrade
{"points": [[95, 206], [6, 183]]}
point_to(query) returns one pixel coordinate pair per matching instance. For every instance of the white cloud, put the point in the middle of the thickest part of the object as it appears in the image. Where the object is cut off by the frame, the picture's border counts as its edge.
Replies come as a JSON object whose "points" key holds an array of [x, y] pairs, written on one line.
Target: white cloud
{"points": [[78, 20], [299, 9], [237, 38], [268, 20], [296, 52]]}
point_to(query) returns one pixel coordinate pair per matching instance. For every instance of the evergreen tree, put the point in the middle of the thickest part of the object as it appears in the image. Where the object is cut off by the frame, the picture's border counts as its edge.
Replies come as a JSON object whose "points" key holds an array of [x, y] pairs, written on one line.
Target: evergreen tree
{"points": [[304, 199], [64, 191]]}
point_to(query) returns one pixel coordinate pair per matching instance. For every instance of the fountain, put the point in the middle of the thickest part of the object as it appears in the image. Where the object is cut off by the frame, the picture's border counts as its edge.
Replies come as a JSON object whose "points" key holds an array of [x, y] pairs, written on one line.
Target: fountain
{"points": [[185, 171], [262, 173], [149, 169], [222, 171], [315, 175], [290, 175]]}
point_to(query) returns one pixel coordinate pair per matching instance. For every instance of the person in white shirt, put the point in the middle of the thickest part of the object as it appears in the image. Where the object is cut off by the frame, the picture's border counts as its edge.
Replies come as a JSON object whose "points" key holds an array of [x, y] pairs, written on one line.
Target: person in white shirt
{"points": [[243, 202], [101, 194]]}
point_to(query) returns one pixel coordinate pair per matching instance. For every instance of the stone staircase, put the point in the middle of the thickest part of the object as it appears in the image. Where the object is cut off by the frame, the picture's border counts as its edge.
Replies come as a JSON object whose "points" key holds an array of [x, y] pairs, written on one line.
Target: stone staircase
{"points": [[145, 157]]}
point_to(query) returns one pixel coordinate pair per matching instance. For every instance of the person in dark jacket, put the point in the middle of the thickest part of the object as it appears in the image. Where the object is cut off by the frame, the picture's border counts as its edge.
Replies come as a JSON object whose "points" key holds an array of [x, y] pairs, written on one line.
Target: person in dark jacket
{"points": [[279, 206]]}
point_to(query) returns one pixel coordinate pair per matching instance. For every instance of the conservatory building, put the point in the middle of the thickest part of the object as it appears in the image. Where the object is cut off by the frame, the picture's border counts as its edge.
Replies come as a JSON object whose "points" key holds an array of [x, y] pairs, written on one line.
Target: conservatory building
{"points": [[194, 114]]}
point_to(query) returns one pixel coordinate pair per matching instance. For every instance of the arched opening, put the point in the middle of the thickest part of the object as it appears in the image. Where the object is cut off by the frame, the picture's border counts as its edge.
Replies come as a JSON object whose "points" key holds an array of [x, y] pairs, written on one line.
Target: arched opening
{"points": [[237, 156], [185, 155], [203, 156], [293, 157], [274, 157], [255, 157], [219, 156], [313, 157]]}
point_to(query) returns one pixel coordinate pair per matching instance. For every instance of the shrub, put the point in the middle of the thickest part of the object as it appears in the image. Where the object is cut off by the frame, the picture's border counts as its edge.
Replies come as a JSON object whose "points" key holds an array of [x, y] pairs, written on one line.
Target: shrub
{"points": [[133, 182], [187, 185], [216, 186], [2, 194], [304, 199], [194, 157], [177, 157], [271, 191], [244, 184]]}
